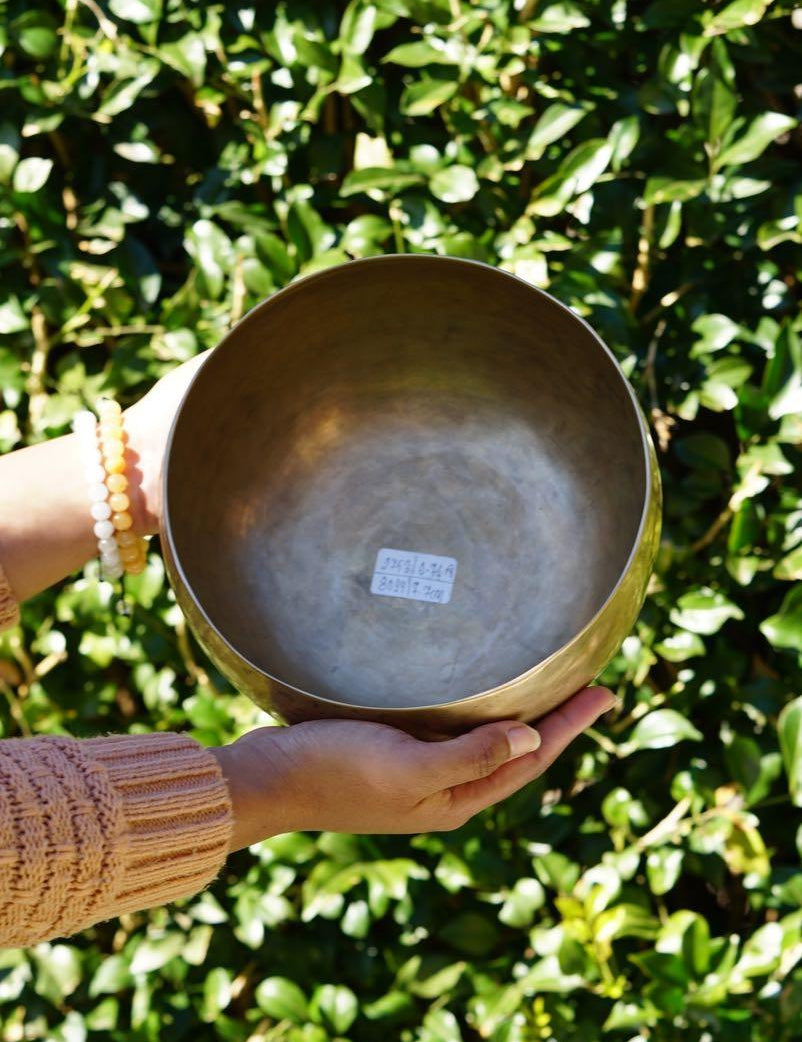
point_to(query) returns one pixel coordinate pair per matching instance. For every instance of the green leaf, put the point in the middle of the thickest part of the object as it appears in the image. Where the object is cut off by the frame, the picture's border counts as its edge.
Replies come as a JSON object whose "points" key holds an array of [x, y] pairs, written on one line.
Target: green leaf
{"points": [[714, 99], [31, 174], [784, 630], [759, 134], [216, 994], [440, 1025], [783, 375], [669, 189], [210, 248], [58, 971], [432, 51], [559, 18], [623, 138], [663, 867], [471, 933], [704, 452], [704, 611], [520, 905], [153, 953], [112, 975], [661, 729], [282, 999], [789, 728], [187, 56], [9, 151], [357, 26], [714, 333], [555, 122], [761, 952], [427, 95], [576, 175], [384, 179], [12, 318], [736, 15], [37, 32], [454, 184], [680, 646], [137, 11], [335, 1005]]}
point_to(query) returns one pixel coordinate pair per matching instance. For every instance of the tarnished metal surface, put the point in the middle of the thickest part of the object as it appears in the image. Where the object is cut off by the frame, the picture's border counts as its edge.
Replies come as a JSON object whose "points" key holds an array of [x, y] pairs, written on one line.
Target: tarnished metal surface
{"points": [[425, 405]]}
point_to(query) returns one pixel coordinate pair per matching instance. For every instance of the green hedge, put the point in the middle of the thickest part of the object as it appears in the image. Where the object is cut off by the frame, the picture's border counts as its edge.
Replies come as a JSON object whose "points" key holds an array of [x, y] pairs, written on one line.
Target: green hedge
{"points": [[165, 164]]}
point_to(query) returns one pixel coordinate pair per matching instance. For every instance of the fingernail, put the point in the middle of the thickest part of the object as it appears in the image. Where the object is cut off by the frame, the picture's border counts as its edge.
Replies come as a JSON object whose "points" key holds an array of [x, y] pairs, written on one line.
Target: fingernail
{"points": [[522, 740]]}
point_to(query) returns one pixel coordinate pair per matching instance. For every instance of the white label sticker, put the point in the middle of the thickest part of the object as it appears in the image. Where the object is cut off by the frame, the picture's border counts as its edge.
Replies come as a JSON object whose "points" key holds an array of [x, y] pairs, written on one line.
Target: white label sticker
{"points": [[418, 577]]}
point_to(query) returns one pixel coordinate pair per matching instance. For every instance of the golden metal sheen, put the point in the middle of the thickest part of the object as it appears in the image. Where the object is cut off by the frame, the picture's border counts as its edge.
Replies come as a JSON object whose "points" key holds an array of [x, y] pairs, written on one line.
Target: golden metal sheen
{"points": [[421, 404]]}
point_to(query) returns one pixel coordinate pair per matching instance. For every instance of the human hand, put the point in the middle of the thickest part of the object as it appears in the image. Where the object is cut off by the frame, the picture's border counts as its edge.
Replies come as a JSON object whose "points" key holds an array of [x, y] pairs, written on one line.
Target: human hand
{"points": [[147, 425], [361, 777]]}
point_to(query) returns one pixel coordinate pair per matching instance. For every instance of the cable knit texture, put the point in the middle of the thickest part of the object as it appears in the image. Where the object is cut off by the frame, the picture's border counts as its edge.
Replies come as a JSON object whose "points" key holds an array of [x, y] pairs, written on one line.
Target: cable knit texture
{"points": [[93, 828]]}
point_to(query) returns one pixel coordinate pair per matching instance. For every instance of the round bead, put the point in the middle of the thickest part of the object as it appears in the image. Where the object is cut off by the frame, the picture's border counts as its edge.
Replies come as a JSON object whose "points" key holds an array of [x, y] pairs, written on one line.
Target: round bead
{"points": [[115, 571], [122, 520], [116, 465], [84, 421], [104, 529], [136, 567], [98, 493], [90, 450], [110, 559], [112, 447], [117, 483], [107, 434], [127, 538], [130, 553], [108, 407], [100, 511], [107, 546], [118, 501], [95, 474]]}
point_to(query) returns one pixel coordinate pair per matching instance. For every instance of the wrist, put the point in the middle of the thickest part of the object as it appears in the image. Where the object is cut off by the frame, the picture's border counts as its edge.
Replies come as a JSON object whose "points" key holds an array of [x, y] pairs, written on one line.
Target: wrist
{"points": [[143, 470], [259, 807]]}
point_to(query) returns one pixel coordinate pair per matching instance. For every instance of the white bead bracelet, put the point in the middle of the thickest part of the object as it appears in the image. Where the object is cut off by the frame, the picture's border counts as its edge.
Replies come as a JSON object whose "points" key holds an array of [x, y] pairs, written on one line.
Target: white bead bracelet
{"points": [[85, 427]]}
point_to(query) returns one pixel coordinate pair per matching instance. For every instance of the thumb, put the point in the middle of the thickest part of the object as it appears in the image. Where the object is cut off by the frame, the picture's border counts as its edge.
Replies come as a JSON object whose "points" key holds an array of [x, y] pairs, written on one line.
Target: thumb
{"points": [[476, 754]]}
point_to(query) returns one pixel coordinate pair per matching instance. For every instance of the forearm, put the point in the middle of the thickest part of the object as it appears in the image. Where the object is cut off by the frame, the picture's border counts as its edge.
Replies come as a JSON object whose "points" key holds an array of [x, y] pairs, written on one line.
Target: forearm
{"points": [[46, 530], [45, 525]]}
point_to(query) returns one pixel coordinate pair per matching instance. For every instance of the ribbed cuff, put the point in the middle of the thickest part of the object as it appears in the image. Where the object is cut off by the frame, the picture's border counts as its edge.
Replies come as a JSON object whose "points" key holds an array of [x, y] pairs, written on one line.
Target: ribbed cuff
{"points": [[93, 828], [9, 609], [177, 812]]}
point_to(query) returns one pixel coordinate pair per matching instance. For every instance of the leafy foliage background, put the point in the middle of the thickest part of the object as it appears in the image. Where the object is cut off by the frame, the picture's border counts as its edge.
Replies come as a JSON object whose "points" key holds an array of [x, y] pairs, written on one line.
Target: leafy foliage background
{"points": [[164, 165]]}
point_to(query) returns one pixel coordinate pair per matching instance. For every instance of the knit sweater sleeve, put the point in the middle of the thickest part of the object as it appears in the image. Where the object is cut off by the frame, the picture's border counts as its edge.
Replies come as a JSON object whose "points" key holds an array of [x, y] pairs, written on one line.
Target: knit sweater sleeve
{"points": [[93, 828]]}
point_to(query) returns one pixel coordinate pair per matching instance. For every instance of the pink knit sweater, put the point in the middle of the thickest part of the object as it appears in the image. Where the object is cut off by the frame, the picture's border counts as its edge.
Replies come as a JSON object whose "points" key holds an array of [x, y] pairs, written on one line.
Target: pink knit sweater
{"points": [[93, 828]]}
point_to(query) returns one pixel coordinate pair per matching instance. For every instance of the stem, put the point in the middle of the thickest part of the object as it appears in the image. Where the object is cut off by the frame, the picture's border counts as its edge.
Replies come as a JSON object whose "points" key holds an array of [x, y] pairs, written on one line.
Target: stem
{"points": [[661, 421], [721, 521], [398, 232], [640, 277], [35, 384], [15, 708], [602, 741]]}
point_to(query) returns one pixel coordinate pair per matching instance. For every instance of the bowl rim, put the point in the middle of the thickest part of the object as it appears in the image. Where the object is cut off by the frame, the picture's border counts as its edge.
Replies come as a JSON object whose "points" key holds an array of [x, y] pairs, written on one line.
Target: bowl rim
{"points": [[165, 526]]}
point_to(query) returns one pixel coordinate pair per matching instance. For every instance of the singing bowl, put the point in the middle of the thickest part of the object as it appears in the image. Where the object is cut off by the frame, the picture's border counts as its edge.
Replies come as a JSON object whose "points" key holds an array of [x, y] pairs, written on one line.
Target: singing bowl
{"points": [[410, 489]]}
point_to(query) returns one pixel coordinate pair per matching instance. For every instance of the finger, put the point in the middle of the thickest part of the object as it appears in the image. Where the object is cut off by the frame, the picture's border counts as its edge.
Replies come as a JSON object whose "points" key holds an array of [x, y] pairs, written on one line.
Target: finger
{"points": [[557, 731], [441, 765]]}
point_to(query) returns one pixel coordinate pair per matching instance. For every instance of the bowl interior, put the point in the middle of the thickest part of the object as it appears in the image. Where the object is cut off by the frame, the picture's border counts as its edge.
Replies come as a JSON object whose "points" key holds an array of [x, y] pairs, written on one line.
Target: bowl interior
{"points": [[405, 481]]}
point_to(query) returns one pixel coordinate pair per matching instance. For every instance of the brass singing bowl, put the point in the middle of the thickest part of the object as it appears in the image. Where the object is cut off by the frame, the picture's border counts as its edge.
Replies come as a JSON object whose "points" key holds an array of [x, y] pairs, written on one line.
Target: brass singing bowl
{"points": [[387, 429]]}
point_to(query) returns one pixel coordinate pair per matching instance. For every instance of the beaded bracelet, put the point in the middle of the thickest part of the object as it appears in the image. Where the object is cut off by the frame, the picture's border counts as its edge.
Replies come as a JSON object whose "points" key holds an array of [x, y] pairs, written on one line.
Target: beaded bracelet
{"points": [[103, 454], [132, 550]]}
